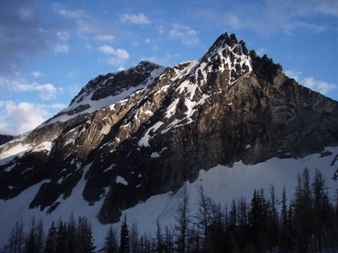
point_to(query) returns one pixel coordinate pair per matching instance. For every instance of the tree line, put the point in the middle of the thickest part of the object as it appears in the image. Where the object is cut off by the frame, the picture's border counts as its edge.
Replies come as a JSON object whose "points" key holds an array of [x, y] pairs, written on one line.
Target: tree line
{"points": [[306, 223]]}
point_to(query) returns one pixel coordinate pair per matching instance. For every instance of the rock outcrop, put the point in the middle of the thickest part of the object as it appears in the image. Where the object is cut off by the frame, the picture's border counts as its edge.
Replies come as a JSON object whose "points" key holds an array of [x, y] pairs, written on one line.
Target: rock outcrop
{"points": [[146, 130]]}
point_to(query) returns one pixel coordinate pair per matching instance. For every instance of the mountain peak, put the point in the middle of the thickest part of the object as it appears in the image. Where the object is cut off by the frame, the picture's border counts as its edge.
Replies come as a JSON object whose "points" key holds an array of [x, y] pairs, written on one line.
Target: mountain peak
{"points": [[225, 40], [146, 130], [111, 83]]}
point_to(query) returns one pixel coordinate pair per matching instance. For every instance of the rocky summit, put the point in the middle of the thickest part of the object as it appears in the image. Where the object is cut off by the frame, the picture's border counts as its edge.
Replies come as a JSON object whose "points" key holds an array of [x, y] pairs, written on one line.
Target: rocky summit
{"points": [[146, 130]]}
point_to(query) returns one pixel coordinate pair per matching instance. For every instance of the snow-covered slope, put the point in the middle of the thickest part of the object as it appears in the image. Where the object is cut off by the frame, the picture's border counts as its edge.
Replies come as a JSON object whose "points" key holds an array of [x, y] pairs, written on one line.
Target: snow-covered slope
{"points": [[107, 90], [221, 183]]}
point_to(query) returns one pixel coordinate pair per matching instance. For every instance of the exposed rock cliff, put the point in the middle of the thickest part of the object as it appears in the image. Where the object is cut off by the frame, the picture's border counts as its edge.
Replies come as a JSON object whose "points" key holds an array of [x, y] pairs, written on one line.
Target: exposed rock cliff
{"points": [[146, 130]]}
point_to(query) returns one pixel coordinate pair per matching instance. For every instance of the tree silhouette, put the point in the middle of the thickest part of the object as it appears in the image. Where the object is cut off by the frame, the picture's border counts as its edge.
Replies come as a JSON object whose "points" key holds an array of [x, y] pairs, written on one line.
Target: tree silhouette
{"points": [[124, 237]]}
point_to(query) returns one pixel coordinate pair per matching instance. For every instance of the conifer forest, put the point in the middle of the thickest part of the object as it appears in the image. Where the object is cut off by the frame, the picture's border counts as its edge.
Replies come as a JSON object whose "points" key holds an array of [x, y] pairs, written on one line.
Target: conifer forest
{"points": [[307, 222]]}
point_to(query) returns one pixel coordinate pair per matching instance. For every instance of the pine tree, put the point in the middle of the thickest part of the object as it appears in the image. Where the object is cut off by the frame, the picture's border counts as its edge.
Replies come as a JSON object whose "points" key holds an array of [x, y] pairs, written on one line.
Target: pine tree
{"points": [[40, 237], [50, 246], [273, 226], [71, 232], [85, 237], [169, 241], [257, 221], [233, 214], [321, 209], [242, 220], [303, 212], [134, 239], [217, 242], [124, 237], [203, 217], [61, 237], [183, 221], [159, 238], [110, 241], [30, 246], [285, 230], [16, 240]]}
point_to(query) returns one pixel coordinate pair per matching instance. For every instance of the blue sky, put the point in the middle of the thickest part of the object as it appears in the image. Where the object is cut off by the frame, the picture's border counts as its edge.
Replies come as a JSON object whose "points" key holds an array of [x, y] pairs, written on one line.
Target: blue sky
{"points": [[50, 50]]}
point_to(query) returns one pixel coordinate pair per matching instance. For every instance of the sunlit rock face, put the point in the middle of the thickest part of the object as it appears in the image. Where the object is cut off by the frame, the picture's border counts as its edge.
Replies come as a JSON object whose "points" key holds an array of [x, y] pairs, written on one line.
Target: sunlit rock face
{"points": [[146, 130]]}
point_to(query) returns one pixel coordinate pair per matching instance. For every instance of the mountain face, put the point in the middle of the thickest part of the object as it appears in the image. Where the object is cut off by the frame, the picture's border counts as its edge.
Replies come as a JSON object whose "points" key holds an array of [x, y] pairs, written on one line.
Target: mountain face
{"points": [[5, 138], [146, 130]]}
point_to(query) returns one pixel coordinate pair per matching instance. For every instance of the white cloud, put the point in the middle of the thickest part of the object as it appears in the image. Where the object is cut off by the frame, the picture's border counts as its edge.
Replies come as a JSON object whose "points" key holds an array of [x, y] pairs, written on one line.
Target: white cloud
{"points": [[25, 13], [19, 118], [293, 74], [317, 85], [160, 30], [184, 33], [107, 50], [274, 17], [36, 74], [115, 57], [105, 37], [261, 51], [61, 48], [46, 91], [63, 35], [139, 19], [313, 84], [67, 13]]}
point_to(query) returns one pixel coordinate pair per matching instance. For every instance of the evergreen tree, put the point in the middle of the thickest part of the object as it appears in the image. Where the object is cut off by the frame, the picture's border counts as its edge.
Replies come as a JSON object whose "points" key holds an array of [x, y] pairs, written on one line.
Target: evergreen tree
{"points": [[85, 237], [285, 230], [273, 226], [303, 212], [159, 238], [16, 241], [233, 214], [31, 246], [124, 237], [257, 221], [169, 241], [183, 221], [134, 239], [71, 233], [110, 242], [61, 238], [40, 237], [217, 242], [321, 209], [203, 217], [50, 246]]}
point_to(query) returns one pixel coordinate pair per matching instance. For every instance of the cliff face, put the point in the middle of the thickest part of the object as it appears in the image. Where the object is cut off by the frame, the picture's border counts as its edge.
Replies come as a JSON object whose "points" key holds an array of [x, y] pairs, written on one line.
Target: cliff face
{"points": [[146, 130], [5, 138]]}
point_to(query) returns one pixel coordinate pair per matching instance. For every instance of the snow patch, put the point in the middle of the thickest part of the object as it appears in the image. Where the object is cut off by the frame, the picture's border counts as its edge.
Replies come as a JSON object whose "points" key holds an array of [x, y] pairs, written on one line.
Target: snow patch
{"points": [[144, 141], [155, 155], [121, 180]]}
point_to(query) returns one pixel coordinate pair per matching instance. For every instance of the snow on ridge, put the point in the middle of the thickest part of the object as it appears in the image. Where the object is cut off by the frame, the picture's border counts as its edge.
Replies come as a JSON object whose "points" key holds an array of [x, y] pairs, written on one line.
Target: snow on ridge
{"points": [[18, 150], [44, 146], [171, 108], [102, 103]]}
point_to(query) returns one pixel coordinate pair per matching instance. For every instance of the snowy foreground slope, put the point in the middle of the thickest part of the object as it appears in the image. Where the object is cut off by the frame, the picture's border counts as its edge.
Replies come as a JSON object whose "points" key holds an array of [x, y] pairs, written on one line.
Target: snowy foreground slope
{"points": [[221, 183]]}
